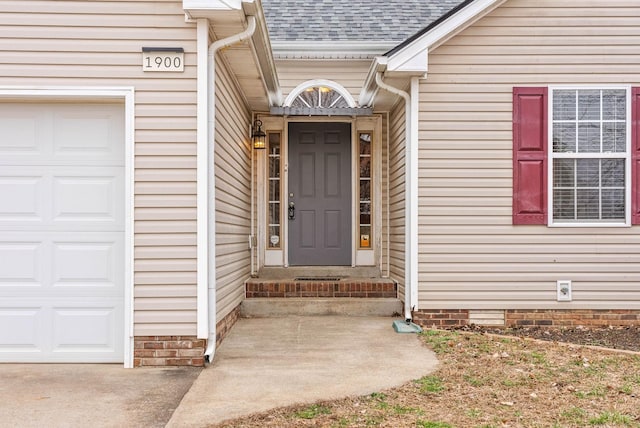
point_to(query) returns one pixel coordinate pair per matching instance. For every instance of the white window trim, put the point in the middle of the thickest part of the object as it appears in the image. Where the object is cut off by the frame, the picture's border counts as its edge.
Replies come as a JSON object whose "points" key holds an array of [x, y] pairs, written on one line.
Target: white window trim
{"points": [[551, 156]]}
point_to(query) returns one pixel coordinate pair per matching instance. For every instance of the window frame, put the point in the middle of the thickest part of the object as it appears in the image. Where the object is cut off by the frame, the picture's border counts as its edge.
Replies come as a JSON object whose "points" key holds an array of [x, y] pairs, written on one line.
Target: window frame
{"points": [[551, 156]]}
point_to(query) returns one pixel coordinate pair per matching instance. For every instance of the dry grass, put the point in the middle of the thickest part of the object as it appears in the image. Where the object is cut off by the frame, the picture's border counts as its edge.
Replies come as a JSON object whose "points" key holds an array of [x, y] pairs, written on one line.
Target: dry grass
{"points": [[489, 381]]}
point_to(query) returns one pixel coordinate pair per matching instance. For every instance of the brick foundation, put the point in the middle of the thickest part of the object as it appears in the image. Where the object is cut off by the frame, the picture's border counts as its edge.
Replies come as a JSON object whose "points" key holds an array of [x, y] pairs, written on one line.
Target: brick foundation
{"points": [[567, 318], [450, 318], [178, 350], [441, 318], [224, 325], [168, 351]]}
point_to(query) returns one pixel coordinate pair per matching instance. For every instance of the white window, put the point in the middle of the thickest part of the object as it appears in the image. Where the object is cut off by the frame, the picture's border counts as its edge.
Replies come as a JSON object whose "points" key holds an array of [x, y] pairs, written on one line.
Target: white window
{"points": [[320, 93], [589, 156]]}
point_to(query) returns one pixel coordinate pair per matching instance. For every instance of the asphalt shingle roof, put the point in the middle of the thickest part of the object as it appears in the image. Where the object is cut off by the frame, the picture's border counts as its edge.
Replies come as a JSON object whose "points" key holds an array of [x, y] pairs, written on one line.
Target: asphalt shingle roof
{"points": [[351, 20]]}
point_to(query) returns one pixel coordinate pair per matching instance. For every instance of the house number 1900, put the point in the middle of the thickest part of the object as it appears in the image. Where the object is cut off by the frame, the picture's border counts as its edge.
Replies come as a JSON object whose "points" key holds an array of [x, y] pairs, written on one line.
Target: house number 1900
{"points": [[163, 61]]}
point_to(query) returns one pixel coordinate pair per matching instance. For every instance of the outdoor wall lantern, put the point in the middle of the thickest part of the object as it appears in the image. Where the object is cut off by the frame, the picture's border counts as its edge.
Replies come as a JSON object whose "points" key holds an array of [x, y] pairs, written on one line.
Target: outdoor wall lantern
{"points": [[258, 136]]}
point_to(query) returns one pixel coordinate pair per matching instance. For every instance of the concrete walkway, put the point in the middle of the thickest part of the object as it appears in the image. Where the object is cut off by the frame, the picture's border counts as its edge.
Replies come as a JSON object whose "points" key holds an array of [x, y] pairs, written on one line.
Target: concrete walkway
{"points": [[266, 363]]}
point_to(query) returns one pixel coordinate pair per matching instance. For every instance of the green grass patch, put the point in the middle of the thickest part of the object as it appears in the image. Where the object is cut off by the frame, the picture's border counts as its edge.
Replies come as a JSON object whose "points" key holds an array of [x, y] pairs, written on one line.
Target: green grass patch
{"points": [[626, 389], [474, 381], [312, 412], [442, 342], [430, 384], [575, 416], [402, 410], [606, 418], [431, 424], [474, 413]]}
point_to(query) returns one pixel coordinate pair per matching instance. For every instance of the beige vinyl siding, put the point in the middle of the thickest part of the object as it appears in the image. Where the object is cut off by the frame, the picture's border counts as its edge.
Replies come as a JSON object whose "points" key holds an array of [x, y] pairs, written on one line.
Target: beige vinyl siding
{"points": [[470, 255], [396, 195], [350, 74], [99, 44], [233, 192]]}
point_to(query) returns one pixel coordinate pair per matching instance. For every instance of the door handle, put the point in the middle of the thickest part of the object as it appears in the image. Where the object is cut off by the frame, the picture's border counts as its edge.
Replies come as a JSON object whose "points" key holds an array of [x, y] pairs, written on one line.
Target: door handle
{"points": [[292, 211]]}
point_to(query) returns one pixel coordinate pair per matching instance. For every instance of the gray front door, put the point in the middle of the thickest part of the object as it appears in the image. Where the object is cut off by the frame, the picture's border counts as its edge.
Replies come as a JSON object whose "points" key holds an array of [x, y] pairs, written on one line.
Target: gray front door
{"points": [[319, 194]]}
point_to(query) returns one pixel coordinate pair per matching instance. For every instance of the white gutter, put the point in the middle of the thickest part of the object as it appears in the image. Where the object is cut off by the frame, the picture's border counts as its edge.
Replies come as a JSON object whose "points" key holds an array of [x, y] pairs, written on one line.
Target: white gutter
{"points": [[411, 192], [210, 182]]}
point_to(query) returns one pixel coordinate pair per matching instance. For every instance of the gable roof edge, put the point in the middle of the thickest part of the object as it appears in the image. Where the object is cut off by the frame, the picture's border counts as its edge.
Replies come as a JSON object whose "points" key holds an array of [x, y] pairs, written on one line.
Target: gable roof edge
{"points": [[439, 31]]}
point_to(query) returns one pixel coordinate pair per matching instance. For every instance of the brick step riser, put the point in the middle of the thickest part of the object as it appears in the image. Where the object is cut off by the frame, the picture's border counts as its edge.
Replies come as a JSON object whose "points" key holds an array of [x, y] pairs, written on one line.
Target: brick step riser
{"points": [[321, 289]]}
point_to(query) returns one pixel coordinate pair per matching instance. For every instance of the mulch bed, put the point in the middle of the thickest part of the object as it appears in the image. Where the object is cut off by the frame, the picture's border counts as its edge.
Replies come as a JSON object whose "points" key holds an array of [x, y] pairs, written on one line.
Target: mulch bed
{"points": [[627, 337]]}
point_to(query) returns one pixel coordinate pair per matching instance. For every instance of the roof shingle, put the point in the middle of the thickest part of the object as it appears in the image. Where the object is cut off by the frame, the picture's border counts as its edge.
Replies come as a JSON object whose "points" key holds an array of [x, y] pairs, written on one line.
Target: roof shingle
{"points": [[351, 20]]}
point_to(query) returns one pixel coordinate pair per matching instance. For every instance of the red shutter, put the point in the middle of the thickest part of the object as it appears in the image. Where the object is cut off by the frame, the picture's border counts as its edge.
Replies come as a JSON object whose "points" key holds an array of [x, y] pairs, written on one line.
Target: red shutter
{"points": [[635, 155], [530, 155]]}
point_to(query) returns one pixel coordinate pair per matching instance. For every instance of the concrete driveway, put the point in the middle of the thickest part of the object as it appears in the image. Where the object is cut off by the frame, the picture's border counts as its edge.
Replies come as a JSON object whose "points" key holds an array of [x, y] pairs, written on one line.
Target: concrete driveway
{"points": [[262, 364], [96, 395]]}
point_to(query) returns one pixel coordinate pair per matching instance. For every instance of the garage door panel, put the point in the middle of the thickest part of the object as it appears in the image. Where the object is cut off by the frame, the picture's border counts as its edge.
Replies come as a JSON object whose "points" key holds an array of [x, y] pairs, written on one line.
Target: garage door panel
{"points": [[56, 132], [74, 198], [89, 196], [85, 329], [55, 264], [87, 264], [21, 264], [21, 198], [22, 330], [94, 133], [22, 131]]}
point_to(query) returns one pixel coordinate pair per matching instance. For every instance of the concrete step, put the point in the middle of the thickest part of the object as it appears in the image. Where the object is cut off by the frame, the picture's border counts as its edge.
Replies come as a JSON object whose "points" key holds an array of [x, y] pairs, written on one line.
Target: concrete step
{"points": [[319, 271], [305, 306]]}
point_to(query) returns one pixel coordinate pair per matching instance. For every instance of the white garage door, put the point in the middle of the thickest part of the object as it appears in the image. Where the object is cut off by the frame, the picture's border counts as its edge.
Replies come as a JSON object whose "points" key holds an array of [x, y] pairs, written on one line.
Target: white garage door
{"points": [[61, 232]]}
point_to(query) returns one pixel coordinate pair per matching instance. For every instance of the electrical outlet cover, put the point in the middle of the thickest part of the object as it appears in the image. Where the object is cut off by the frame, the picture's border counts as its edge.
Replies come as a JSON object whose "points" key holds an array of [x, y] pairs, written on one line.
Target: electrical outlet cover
{"points": [[564, 290]]}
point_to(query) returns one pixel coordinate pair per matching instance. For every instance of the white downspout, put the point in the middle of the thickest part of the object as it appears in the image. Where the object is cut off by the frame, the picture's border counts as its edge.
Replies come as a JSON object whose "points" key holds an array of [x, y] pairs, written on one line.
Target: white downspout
{"points": [[211, 186], [411, 200]]}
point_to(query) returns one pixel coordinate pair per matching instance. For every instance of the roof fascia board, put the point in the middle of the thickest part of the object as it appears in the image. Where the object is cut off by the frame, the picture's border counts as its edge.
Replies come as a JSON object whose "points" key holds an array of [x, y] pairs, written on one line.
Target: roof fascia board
{"points": [[415, 53], [263, 53]]}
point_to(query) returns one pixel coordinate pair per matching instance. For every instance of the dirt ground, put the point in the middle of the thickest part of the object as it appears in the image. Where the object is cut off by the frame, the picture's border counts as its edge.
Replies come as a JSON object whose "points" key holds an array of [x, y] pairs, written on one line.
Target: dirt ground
{"points": [[485, 380]]}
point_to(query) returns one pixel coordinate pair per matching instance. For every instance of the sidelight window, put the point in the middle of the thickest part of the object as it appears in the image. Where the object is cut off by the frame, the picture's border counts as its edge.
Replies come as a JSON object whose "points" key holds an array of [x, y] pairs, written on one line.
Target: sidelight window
{"points": [[365, 188], [274, 205]]}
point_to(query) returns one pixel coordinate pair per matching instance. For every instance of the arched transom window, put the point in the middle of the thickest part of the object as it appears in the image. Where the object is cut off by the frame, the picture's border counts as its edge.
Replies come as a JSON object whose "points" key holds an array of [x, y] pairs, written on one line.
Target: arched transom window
{"points": [[319, 94]]}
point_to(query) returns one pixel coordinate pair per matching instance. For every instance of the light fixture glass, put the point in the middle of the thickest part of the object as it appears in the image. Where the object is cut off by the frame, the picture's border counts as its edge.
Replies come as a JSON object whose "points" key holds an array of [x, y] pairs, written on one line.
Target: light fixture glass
{"points": [[258, 136]]}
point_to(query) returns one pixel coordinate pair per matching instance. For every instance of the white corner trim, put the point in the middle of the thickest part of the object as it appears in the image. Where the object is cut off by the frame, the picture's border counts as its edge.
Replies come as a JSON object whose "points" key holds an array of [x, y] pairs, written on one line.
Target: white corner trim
{"points": [[202, 309], [127, 94], [442, 32], [319, 82]]}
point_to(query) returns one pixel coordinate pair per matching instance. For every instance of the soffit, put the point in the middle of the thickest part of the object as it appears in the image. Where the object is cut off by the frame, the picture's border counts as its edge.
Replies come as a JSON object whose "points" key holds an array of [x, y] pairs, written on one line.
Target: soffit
{"points": [[250, 62]]}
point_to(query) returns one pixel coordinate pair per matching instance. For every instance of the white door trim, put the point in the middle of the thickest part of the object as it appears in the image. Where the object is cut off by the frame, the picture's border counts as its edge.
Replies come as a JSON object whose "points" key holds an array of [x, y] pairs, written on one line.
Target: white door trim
{"points": [[126, 94]]}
